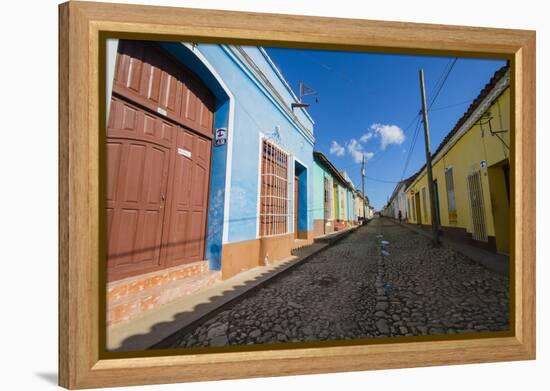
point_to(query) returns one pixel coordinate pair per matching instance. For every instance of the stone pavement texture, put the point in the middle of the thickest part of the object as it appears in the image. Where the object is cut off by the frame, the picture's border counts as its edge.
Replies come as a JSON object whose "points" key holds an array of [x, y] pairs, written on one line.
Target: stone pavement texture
{"points": [[352, 291]]}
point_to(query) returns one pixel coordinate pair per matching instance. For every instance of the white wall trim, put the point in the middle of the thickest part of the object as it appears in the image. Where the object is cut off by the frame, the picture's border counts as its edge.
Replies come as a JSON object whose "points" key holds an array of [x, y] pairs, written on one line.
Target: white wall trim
{"points": [[111, 49], [295, 159], [283, 80], [280, 105], [261, 138], [230, 130]]}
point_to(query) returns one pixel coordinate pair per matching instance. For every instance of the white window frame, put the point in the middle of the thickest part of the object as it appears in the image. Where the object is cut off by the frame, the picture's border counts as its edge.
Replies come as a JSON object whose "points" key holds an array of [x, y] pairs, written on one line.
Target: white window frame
{"points": [[262, 139]]}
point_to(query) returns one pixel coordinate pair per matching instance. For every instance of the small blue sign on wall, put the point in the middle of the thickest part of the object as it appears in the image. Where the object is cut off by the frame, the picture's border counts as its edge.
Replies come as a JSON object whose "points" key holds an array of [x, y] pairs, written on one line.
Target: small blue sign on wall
{"points": [[221, 136]]}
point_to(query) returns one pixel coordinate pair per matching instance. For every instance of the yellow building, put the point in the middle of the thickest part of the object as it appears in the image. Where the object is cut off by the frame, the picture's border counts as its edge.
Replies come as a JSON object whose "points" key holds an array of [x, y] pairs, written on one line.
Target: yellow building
{"points": [[471, 172]]}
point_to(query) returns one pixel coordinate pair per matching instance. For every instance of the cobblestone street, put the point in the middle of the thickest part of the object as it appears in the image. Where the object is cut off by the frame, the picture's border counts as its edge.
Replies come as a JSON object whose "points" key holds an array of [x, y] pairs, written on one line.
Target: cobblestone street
{"points": [[351, 291]]}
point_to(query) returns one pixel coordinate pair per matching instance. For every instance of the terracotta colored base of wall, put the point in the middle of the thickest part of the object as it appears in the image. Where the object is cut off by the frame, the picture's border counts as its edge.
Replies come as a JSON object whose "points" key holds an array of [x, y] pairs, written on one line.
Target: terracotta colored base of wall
{"points": [[305, 238], [318, 227], [343, 224], [303, 234], [240, 256], [133, 296], [321, 228], [339, 225], [461, 235]]}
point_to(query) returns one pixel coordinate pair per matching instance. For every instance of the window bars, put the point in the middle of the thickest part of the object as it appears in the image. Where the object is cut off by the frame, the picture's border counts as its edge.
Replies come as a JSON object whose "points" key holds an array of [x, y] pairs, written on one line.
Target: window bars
{"points": [[477, 207], [274, 198]]}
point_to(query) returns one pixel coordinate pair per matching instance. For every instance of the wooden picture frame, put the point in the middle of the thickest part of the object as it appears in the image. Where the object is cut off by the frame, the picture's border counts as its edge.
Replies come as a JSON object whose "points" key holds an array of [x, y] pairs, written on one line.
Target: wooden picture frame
{"points": [[82, 28]]}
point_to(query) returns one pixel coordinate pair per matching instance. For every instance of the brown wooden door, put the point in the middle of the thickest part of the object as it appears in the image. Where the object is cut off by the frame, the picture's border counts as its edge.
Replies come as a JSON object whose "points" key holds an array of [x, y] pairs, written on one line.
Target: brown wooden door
{"points": [[158, 163], [137, 184], [152, 78], [137, 173], [187, 212]]}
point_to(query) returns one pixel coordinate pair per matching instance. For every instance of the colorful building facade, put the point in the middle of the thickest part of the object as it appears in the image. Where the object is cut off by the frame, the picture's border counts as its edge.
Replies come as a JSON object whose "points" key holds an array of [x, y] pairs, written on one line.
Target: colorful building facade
{"points": [[398, 201], [334, 201], [361, 206], [471, 172], [210, 169]]}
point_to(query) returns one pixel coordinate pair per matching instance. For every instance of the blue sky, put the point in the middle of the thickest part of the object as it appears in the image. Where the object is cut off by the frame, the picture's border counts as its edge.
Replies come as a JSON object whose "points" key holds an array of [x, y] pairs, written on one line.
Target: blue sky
{"points": [[368, 103]]}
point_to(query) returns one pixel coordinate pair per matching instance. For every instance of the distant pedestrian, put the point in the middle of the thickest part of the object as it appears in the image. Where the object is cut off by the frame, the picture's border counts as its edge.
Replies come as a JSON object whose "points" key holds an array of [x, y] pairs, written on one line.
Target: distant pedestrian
{"points": [[399, 216]]}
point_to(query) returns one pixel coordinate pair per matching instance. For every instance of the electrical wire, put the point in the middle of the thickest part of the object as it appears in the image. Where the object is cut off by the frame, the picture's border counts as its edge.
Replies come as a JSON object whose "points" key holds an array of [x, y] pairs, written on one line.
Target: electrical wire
{"points": [[337, 72], [411, 148], [437, 88], [380, 180], [450, 68], [376, 157], [452, 105]]}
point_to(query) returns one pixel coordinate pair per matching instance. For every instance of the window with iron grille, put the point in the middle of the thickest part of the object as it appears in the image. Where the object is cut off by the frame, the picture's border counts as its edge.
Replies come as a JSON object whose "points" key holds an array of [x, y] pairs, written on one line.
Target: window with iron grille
{"points": [[477, 208], [451, 200], [274, 198]]}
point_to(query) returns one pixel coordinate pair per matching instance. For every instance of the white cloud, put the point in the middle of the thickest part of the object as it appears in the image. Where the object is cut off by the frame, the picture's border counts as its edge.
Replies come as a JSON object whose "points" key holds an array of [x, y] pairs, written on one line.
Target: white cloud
{"points": [[355, 149], [389, 134], [337, 149], [366, 137]]}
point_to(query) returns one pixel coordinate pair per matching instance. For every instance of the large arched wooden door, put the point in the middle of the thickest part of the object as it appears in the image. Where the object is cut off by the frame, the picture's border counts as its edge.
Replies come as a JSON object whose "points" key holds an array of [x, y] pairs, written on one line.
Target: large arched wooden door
{"points": [[159, 139]]}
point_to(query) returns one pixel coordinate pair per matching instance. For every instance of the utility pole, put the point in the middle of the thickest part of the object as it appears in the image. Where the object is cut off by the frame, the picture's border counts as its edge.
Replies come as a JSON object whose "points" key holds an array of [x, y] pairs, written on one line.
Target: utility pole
{"points": [[363, 188], [435, 228]]}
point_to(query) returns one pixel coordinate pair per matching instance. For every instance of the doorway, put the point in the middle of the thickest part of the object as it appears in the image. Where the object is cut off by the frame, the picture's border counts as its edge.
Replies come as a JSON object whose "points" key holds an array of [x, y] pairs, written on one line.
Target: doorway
{"points": [[499, 185], [418, 209], [300, 201], [327, 201], [159, 139], [437, 215]]}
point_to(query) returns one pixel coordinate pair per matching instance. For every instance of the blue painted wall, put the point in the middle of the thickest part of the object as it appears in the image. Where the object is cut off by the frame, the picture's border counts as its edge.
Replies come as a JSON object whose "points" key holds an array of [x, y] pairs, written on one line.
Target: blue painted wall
{"points": [[256, 113], [215, 218]]}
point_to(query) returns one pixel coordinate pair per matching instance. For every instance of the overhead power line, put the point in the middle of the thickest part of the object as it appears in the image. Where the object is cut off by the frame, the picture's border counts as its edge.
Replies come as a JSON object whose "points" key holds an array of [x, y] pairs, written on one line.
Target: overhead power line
{"points": [[411, 148], [437, 88], [452, 105], [443, 80], [377, 156], [380, 180], [337, 72]]}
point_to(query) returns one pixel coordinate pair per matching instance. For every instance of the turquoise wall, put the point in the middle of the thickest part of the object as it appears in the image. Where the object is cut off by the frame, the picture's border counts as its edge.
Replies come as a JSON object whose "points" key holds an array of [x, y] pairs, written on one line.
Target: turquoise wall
{"points": [[319, 172], [343, 193]]}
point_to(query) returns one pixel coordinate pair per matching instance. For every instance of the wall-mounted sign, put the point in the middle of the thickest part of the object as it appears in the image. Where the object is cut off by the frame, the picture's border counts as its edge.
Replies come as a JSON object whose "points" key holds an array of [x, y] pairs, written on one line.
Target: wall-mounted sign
{"points": [[221, 136], [184, 152]]}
